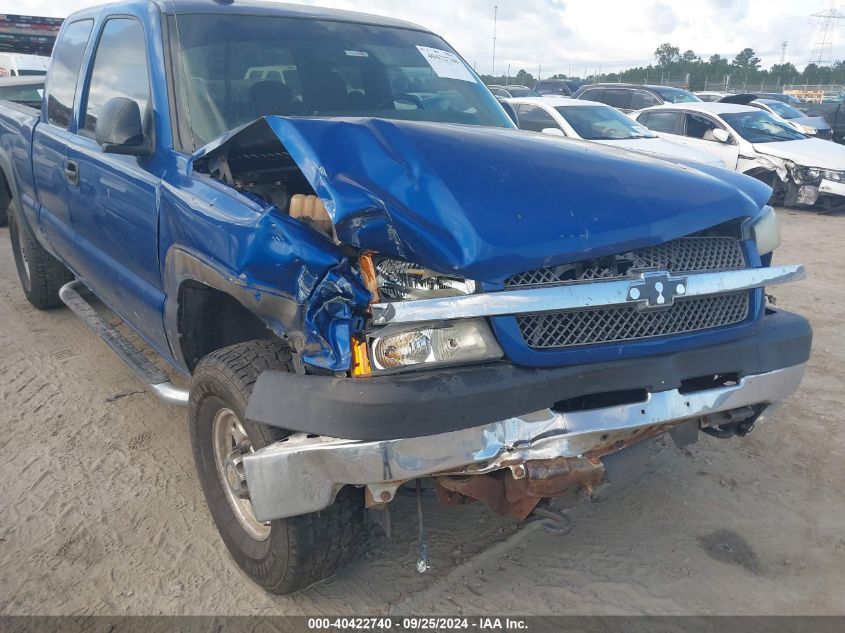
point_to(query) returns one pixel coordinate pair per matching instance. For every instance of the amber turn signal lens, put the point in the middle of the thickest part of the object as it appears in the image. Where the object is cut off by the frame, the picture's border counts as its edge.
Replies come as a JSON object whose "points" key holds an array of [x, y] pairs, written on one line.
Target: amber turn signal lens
{"points": [[360, 358]]}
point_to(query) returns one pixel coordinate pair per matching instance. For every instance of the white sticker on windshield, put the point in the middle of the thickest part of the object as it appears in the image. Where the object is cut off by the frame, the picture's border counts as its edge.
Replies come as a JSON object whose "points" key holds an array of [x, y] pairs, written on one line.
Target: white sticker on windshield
{"points": [[357, 53], [446, 64]]}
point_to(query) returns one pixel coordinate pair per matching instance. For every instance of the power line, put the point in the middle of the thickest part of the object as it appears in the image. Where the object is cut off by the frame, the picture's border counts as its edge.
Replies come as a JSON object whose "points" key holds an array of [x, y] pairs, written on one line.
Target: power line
{"points": [[822, 52]]}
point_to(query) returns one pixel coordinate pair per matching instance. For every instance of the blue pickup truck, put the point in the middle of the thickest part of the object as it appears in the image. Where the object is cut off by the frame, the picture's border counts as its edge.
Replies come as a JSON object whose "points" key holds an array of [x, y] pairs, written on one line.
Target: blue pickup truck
{"points": [[368, 277]]}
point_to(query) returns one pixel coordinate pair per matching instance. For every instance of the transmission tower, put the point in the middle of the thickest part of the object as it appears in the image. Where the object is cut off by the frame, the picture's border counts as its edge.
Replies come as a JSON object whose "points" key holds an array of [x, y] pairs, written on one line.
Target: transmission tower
{"points": [[829, 19], [783, 46]]}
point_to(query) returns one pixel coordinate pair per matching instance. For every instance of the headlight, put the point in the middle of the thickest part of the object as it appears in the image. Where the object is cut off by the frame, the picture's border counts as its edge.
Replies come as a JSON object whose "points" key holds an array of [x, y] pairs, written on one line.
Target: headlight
{"points": [[807, 129], [766, 231], [459, 342], [398, 280], [807, 175]]}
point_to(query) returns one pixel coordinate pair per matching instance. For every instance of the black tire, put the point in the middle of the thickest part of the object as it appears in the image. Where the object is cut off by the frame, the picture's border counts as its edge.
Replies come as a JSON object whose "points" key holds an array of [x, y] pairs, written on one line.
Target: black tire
{"points": [[299, 551], [41, 274]]}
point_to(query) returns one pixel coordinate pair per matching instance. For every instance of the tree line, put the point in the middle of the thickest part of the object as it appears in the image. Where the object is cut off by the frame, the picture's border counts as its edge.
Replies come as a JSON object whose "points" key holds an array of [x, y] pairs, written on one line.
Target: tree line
{"points": [[672, 65]]}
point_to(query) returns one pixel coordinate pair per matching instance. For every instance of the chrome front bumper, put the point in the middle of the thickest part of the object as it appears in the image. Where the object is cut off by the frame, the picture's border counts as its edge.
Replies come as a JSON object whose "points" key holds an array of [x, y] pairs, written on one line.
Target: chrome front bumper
{"points": [[300, 475]]}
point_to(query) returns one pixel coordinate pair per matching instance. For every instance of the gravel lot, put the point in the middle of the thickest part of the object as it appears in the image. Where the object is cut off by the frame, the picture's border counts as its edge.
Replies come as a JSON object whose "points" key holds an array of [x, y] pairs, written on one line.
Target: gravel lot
{"points": [[100, 511]]}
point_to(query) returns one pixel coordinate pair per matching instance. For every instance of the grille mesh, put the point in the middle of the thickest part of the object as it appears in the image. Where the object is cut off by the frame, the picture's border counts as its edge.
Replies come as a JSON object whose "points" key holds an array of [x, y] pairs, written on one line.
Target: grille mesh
{"points": [[627, 323], [686, 254]]}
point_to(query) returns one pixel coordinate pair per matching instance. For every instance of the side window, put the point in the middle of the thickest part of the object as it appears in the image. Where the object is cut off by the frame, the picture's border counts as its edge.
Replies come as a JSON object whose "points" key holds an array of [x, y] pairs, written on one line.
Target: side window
{"points": [[120, 70], [64, 71], [700, 127], [534, 118], [593, 94], [643, 119], [641, 99], [617, 98], [666, 122]]}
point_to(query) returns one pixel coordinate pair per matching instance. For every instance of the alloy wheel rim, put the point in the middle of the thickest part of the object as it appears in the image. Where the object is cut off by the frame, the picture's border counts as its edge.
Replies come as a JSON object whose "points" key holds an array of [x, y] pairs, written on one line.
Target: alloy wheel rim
{"points": [[231, 443]]}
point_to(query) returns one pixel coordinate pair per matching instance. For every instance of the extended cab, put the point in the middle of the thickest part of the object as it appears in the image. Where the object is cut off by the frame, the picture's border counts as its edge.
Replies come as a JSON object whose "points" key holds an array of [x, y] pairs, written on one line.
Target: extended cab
{"points": [[369, 277]]}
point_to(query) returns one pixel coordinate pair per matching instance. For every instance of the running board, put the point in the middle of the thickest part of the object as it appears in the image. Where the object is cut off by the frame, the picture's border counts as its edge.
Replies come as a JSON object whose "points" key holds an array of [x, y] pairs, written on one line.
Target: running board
{"points": [[155, 379]]}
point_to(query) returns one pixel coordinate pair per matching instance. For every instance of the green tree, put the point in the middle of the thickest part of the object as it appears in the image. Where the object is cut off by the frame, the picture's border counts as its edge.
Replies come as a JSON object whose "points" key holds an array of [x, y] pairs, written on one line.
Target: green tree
{"points": [[666, 54], [525, 78], [746, 59], [689, 56]]}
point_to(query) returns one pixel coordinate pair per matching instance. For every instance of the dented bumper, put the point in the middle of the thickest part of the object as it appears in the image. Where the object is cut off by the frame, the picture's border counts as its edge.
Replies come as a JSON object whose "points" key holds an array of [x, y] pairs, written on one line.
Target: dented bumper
{"points": [[381, 431], [303, 475]]}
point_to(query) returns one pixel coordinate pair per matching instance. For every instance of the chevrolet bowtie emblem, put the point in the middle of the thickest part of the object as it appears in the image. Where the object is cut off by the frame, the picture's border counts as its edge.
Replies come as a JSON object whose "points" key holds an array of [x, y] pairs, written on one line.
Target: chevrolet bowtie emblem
{"points": [[656, 290]]}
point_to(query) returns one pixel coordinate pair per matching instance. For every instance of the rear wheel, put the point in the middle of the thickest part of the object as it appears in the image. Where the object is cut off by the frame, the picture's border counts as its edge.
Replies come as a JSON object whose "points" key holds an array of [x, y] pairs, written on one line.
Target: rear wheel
{"points": [[41, 274], [285, 555]]}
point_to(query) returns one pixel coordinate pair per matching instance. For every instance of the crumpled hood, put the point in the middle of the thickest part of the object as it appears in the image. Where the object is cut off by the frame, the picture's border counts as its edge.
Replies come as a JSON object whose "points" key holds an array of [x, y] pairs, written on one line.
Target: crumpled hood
{"points": [[663, 148], [810, 152], [488, 202]]}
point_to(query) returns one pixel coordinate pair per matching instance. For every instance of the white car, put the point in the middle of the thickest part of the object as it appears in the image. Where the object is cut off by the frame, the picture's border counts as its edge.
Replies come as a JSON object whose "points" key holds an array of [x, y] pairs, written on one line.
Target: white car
{"points": [[800, 170], [600, 123]]}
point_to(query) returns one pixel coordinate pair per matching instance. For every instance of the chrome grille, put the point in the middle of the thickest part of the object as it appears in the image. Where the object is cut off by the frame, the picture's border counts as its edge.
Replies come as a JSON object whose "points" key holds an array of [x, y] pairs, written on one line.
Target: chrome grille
{"points": [[625, 323], [686, 254]]}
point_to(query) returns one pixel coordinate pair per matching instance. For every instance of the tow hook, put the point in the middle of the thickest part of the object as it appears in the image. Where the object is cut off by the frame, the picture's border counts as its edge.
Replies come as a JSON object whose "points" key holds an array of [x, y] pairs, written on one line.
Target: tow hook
{"points": [[555, 522]]}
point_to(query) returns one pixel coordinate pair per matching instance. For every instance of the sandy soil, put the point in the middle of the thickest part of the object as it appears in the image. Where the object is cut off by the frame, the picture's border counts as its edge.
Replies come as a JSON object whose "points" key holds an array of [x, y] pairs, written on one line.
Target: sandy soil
{"points": [[100, 511]]}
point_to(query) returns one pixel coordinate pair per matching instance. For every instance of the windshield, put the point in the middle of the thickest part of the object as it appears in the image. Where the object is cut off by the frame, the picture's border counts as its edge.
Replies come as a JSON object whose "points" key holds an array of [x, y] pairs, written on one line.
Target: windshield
{"points": [[784, 111], [602, 123], [761, 127], [676, 95], [235, 68]]}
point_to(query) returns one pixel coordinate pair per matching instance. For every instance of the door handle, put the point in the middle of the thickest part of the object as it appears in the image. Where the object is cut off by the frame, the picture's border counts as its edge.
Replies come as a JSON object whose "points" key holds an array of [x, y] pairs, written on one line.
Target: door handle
{"points": [[72, 172]]}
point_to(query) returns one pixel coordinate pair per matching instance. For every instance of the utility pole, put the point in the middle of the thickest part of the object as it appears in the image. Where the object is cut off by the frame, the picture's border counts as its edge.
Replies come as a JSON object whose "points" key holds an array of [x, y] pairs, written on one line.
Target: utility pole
{"points": [[540, 72], [783, 46], [495, 23]]}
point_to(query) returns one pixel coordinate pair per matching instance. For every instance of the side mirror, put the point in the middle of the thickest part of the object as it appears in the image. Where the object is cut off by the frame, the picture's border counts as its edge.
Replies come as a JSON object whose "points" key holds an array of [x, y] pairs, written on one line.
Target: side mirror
{"points": [[553, 131], [119, 129], [721, 135]]}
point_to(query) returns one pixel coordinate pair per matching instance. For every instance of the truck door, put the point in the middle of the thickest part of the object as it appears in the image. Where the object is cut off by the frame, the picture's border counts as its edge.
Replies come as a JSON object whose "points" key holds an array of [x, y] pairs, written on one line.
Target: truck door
{"points": [[113, 198], [52, 135]]}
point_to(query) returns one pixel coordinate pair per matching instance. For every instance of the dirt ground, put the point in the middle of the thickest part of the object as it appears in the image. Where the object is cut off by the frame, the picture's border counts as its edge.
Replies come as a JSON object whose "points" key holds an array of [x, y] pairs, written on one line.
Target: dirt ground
{"points": [[100, 510]]}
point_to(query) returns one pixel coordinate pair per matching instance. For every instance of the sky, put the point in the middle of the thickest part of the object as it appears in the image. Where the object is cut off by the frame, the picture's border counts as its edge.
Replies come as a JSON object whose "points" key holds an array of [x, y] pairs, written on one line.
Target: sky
{"points": [[567, 36]]}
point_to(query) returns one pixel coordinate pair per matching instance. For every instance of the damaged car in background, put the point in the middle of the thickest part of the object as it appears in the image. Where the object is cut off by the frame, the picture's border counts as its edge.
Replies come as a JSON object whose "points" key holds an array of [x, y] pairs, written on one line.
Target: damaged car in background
{"points": [[368, 277], [801, 171]]}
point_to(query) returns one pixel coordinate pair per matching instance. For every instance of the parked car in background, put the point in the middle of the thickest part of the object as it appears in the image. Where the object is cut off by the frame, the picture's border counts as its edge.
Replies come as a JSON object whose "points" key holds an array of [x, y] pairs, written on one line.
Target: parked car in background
{"points": [[710, 96], [800, 170], [630, 97], [558, 87], [597, 122], [508, 92], [811, 126], [816, 126], [832, 111], [21, 65], [25, 90]]}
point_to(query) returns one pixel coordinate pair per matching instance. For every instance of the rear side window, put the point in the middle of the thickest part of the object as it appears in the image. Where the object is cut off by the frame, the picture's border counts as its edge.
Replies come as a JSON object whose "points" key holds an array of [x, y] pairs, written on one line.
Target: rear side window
{"points": [[667, 122], [593, 94], [643, 99], [617, 98], [120, 70], [64, 71]]}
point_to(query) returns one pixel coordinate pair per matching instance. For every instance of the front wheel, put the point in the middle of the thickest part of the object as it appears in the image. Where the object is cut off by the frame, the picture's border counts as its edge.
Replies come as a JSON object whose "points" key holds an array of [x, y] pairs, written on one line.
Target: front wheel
{"points": [[282, 556]]}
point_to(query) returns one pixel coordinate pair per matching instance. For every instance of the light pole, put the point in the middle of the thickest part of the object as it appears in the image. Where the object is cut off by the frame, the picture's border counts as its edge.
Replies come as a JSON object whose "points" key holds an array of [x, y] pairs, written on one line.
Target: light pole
{"points": [[495, 22]]}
